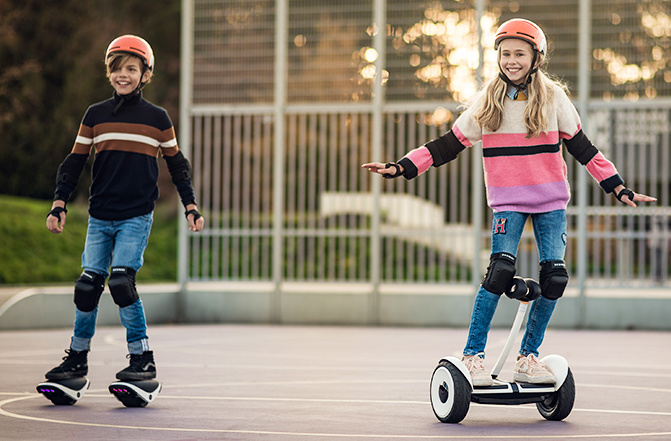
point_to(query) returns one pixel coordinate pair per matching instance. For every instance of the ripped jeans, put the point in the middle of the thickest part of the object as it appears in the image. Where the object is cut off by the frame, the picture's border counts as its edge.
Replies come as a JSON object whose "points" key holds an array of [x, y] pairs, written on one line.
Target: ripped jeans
{"points": [[111, 244], [507, 227]]}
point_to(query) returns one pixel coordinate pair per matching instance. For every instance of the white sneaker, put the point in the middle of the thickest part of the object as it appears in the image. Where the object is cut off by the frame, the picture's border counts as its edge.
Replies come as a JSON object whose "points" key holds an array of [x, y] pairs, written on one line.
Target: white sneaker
{"points": [[479, 374], [529, 370]]}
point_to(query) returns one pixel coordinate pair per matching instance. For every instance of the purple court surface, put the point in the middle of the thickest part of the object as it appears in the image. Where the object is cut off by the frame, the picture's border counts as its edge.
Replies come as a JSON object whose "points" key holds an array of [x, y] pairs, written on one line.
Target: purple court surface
{"points": [[306, 383]]}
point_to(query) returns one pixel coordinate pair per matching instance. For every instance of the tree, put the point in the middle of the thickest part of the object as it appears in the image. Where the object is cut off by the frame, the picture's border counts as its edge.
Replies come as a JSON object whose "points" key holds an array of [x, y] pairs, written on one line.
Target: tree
{"points": [[52, 70]]}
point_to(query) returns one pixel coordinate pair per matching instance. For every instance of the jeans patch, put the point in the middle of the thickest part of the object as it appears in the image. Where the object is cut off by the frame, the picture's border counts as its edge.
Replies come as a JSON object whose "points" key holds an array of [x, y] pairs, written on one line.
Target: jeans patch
{"points": [[500, 226]]}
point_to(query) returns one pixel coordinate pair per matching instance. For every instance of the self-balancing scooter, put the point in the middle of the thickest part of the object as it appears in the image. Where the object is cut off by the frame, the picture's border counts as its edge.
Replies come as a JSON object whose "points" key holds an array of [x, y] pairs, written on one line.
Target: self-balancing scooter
{"points": [[64, 392], [135, 393], [452, 389], [130, 393]]}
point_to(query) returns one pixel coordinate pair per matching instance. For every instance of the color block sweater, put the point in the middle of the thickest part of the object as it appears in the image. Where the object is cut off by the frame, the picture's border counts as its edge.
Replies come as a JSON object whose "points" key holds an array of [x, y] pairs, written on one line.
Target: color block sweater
{"points": [[527, 175], [125, 170]]}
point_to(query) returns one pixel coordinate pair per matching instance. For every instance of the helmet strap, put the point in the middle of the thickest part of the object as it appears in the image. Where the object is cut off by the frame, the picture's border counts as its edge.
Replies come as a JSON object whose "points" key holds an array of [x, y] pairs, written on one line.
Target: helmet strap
{"points": [[137, 90], [124, 98]]}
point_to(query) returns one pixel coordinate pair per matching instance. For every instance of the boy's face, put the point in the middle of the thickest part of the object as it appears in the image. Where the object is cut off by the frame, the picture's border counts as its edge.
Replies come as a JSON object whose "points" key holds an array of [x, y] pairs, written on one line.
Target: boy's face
{"points": [[515, 59], [126, 78]]}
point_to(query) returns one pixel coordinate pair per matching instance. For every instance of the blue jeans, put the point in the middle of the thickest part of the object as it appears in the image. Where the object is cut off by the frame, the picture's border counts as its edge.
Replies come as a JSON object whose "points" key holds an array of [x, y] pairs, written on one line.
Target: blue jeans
{"points": [[112, 244], [507, 228]]}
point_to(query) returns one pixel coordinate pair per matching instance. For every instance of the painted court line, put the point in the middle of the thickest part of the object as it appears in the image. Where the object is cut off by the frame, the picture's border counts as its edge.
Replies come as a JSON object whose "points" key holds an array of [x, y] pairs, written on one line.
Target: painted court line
{"points": [[332, 435]]}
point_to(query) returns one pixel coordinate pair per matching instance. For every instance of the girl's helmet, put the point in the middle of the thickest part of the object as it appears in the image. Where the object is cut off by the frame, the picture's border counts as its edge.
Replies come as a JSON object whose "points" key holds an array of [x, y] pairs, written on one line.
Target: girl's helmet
{"points": [[523, 30], [134, 45]]}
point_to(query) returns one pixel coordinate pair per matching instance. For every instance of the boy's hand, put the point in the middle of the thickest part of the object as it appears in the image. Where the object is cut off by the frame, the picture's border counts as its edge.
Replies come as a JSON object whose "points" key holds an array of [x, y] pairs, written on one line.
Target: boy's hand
{"points": [[627, 196], [56, 217], [195, 219]]}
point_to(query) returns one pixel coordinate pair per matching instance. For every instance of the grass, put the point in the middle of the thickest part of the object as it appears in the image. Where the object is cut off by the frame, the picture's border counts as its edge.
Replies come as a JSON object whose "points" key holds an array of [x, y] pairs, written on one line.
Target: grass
{"points": [[31, 255]]}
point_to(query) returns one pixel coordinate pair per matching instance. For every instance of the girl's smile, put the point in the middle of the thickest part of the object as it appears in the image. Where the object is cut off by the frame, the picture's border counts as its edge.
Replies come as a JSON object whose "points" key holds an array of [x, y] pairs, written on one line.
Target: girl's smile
{"points": [[515, 59]]}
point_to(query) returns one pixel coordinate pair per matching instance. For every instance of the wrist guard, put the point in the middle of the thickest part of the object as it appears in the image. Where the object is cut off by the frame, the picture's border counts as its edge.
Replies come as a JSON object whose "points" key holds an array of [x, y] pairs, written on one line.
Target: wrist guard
{"points": [[396, 174], [625, 192], [56, 212], [196, 214]]}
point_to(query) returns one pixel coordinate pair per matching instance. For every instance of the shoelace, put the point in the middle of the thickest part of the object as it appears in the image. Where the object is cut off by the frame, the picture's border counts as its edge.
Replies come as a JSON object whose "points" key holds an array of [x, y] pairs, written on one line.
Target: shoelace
{"points": [[474, 363], [534, 364]]}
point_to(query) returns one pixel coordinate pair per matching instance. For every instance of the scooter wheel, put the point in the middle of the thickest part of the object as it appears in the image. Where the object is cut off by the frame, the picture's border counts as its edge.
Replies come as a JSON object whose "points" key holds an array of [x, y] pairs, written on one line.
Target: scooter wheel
{"points": [[450, 393], [559, 405]]}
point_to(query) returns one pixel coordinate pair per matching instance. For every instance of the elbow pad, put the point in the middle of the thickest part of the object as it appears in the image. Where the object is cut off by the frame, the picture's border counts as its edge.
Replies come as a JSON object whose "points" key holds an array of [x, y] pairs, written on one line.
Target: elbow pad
{"points": [[180, 172], [444, 149], [581, 148], [68, 174], [179, 168]]}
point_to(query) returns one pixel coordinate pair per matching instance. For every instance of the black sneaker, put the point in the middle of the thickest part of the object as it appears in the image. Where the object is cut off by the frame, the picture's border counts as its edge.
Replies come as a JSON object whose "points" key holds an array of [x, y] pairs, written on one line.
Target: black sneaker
{"points": [[74, 365], [142, 367]]}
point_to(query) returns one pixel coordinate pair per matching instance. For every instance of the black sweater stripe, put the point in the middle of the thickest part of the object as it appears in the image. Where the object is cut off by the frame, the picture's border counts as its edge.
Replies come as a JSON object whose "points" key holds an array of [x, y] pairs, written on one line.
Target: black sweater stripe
{"points": [[492, 152]]}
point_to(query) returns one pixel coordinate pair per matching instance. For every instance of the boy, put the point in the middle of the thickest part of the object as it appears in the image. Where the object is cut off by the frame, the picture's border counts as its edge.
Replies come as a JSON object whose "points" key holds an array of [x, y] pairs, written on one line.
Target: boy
{"points": [[127, 133]]}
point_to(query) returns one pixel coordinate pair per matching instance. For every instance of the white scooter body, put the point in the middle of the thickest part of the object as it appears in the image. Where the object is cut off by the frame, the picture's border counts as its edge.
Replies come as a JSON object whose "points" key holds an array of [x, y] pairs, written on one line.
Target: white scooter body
{"points": [[452, 386], [519, 393]]}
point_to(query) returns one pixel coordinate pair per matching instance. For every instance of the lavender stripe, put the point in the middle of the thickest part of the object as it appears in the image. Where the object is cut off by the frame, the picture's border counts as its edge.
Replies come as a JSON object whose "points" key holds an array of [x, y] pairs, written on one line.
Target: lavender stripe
{"points": [[530, 198]]}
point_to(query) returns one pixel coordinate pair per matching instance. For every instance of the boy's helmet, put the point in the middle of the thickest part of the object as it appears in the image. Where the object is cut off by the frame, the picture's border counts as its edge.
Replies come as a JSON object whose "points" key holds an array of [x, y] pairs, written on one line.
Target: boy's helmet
{"points": [[522, 30], [134, 45]]}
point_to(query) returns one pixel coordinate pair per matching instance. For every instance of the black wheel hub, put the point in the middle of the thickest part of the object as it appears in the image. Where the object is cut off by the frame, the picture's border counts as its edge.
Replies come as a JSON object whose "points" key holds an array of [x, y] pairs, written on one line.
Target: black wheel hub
{"points": [[443, 393]]}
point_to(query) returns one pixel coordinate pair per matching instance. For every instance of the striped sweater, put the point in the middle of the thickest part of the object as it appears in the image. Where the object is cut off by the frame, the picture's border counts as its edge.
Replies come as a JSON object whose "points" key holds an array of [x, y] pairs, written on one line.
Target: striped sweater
{"points": [[125, 170], [527, 175]]}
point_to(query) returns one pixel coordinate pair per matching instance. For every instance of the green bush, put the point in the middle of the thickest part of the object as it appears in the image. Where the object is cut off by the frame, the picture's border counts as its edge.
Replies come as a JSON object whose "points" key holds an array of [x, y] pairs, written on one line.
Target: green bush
{"points": [[30, 254]]}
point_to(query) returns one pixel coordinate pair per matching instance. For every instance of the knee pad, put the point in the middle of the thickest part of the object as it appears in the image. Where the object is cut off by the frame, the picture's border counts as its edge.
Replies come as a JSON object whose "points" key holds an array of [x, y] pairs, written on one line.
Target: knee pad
{"points": [[553, 279], [122, 286], [88, 289], [500, 273]]}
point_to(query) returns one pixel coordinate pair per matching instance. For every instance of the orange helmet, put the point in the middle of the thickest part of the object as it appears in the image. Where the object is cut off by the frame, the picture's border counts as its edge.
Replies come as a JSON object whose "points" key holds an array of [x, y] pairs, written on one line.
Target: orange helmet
{"points": [[523, 30], [134, 45]]}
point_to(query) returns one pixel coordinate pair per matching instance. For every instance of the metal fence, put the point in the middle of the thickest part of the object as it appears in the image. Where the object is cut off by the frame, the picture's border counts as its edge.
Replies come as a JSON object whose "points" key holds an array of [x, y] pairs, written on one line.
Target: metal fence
{"points": [[283, 100]]}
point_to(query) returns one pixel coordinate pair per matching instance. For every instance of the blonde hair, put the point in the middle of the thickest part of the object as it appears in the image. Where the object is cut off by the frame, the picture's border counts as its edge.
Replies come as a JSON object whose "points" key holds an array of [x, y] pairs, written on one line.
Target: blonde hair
{"points": [[540, 95], [115, 61]]}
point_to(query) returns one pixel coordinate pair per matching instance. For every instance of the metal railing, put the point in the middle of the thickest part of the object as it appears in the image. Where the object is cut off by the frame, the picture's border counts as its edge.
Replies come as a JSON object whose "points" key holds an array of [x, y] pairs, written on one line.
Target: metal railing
{"points": [[280, 182], [425, 225]]}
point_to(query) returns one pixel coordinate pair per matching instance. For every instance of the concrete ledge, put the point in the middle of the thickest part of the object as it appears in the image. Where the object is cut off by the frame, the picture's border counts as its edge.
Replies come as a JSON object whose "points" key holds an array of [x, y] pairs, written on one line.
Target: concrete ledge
{"points": [[337, 304], [52, 307], [227, 307]]}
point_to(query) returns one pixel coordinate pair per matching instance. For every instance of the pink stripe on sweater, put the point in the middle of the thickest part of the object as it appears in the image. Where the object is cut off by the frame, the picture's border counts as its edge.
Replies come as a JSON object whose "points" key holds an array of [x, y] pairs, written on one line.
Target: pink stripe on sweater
{"points": [[518, 139], [422, 159], [601, 168], [513, 171]]}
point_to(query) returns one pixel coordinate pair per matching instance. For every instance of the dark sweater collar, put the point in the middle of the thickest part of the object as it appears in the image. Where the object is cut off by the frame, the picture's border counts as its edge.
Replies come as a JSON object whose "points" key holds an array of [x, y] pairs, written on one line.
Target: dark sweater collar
{"points": [[126, 100]]}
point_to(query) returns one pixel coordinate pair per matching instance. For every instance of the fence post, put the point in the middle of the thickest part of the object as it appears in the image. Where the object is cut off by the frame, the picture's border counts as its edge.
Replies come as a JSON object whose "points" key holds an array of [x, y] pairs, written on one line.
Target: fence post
{"points": [[185, 98], [280, 100], [584, 56], [379, 41], [476, 168]]}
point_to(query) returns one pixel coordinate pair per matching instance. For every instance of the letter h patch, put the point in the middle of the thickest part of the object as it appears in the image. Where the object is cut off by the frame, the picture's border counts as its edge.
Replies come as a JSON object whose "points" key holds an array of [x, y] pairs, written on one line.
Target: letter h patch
{"points": [[500, 226]]}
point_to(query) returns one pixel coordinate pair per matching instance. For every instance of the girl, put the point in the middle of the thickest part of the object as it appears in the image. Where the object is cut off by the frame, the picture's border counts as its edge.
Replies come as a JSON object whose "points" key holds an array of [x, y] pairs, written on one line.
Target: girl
{"points": [[521, 116]]}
